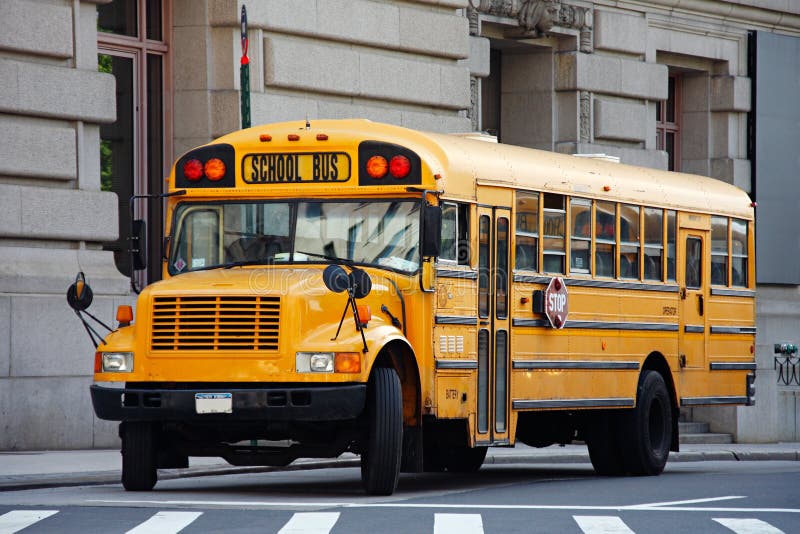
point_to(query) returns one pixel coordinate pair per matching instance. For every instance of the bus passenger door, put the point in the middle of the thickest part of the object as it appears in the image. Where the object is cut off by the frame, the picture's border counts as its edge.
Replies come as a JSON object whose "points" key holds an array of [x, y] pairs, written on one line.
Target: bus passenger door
{"points": [[693, 280], [493, 325]]}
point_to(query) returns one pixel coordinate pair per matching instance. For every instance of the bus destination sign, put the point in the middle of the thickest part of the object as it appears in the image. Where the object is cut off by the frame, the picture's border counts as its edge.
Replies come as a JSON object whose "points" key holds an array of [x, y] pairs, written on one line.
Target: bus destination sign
{"points": [[315, 167]]}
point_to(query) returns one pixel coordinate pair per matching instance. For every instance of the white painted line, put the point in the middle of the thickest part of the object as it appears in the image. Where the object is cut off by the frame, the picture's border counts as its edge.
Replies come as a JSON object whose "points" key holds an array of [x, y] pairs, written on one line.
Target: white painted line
{"points": [[457, 524], [748, 526], [476, 506], [166, 523], [16, 520], [600, 524], [310, 523], [692, 501]]}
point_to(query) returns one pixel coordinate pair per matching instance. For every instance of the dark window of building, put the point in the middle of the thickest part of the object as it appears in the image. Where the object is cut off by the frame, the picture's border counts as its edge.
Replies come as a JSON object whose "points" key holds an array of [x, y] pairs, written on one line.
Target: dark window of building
{"points": [[668, 114], [132, 149]]}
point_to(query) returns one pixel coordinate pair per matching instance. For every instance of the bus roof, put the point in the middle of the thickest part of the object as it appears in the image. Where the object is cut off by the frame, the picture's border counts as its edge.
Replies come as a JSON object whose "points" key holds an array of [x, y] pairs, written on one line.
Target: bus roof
{"points": [[462, 161]]}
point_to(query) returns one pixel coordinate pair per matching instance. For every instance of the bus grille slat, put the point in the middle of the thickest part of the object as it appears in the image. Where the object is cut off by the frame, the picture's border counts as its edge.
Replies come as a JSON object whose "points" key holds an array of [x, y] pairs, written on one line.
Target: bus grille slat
{"points": [[233, 323]]}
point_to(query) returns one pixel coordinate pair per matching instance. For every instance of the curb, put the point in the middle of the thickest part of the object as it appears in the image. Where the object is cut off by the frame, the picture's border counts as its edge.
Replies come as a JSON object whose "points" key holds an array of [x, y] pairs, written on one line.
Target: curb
{"points": [[94, 478]]}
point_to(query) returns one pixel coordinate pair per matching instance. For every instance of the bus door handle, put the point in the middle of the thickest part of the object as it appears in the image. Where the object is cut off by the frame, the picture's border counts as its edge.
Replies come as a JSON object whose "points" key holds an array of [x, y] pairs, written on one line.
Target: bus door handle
{"points": [[700, 305], [683, 293]]}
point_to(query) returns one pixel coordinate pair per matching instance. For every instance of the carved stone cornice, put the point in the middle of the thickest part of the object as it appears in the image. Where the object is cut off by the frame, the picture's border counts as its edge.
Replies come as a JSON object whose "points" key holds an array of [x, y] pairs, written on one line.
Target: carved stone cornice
{"points": [[537, 17]]}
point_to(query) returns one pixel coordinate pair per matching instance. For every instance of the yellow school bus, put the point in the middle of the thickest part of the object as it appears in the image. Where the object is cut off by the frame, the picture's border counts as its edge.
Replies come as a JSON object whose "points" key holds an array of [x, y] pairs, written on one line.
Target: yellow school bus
{"points": [[415, 298]]}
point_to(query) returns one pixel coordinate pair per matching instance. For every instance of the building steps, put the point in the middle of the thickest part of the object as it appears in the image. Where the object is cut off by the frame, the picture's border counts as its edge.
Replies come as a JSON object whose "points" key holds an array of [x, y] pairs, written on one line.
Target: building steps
{"points": [[699, 433]]}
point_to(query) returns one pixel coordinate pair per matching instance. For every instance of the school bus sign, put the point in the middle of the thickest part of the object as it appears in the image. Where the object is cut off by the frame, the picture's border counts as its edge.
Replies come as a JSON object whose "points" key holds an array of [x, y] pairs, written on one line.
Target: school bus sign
{"points": [[556, 303]]}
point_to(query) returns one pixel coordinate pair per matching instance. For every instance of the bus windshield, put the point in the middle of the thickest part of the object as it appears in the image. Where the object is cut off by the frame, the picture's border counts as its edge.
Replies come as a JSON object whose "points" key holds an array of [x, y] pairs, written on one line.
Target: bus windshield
{"points": [[224, 234]]}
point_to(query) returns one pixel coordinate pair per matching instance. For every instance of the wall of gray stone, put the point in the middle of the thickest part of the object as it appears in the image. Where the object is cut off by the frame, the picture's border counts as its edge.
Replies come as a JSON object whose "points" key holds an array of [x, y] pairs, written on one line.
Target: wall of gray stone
{"points": [[53, 218], [393, 61]]}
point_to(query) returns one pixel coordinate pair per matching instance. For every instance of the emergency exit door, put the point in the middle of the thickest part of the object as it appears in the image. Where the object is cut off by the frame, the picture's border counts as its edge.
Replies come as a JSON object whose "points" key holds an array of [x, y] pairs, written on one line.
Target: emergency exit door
{"points": [[494, 226]]}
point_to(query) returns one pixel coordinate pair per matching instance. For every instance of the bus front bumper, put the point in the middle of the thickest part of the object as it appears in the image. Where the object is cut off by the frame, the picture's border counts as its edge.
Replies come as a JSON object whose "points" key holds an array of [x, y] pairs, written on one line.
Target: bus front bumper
{"points": [[291, 403]]}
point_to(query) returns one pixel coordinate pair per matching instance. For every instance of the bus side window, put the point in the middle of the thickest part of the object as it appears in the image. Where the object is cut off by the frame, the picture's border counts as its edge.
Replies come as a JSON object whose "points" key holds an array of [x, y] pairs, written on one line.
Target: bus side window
{"points": [[739, 253], [455, 233], [581, 235], [694, 256], [671, 223], [629, 241], [605, 229], [719, 251], [449, 249], [526, 250], [653, 243], [554, 222]]}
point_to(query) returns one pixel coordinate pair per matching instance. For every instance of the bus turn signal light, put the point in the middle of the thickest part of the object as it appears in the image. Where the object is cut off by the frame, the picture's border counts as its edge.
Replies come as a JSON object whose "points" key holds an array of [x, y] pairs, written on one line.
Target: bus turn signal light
{"points": [[347, 362], [124, 315], [193, 170], [364, 314], [214, 169], [377, 167]]}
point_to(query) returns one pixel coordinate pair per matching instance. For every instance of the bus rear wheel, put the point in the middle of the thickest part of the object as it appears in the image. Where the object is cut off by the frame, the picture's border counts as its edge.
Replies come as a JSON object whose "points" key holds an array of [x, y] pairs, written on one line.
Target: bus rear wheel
{"points": [[139, 471], [605, 451], [380, 461], [648, 427]]}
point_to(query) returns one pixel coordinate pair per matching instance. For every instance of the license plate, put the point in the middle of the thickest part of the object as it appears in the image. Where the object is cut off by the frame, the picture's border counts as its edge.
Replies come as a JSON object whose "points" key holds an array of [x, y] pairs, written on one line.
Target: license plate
{"points": [[213, 402]]}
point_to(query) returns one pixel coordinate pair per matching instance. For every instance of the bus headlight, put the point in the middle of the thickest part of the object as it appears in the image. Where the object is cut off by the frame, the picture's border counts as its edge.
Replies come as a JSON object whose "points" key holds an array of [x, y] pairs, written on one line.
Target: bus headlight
{"points": [[314, 362], [117, 362]]}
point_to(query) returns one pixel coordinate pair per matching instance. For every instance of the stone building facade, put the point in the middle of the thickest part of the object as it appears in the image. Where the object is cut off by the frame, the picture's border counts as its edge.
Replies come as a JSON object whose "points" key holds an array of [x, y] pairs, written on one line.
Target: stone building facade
{"points": [[659, 83]]}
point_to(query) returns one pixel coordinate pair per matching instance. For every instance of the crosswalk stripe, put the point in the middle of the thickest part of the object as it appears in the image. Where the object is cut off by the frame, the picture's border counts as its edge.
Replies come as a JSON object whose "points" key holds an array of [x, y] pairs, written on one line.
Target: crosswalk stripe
{"points": [[457, 524], [602, 524], [747, 526], [310, 523], [16, 520], [166, 523]]}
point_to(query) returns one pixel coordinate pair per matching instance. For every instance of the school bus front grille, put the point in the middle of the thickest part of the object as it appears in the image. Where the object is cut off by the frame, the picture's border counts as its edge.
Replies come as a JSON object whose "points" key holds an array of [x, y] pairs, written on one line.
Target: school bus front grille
{"points": [[216, 323]]}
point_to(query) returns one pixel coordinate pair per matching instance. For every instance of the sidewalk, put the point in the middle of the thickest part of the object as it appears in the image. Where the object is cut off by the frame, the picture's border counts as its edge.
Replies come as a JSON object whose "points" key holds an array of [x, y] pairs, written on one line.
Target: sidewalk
{"points": [[39, 469]]}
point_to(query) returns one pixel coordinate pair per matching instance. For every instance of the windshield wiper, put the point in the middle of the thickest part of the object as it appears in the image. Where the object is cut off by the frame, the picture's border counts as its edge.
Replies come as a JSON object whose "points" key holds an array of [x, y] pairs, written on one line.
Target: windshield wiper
{"points": [[241, 263], [345, 261]]}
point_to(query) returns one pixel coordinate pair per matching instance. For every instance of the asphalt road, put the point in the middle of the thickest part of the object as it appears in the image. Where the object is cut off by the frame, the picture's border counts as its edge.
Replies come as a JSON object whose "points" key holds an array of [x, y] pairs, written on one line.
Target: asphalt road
{"points": [[702, 497]]}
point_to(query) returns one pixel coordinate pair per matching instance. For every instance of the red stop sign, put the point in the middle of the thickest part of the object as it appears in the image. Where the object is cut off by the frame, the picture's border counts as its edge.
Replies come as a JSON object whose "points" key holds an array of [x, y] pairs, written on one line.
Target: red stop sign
{"points": [[556, 303]]}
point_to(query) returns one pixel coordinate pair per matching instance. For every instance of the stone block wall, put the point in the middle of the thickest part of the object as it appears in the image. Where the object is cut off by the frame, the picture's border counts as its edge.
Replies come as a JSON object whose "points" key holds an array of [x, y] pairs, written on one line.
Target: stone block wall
{"points": [[400, 62], [53, 219]]}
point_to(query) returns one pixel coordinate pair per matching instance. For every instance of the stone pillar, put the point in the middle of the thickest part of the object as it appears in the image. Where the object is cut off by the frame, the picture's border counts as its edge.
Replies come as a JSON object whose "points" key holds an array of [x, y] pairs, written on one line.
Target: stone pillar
{"points": [[53, 219]]}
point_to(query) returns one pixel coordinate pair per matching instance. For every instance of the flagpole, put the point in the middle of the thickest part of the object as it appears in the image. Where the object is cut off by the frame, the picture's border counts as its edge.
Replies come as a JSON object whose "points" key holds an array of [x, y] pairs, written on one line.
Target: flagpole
{"points": [[244, 73]]}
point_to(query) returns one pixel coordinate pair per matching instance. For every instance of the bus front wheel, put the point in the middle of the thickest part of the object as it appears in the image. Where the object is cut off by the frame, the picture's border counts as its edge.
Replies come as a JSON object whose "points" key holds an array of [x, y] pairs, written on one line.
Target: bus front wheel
{"points": [[648, 427], [138, 457], [380, 461]]}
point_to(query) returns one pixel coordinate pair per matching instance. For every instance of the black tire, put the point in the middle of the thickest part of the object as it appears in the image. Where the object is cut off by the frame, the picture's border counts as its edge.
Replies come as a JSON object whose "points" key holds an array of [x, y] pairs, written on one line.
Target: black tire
{"points": [[648, 427], [380, 461], [139, 471], [605, 450], [464, 459]]}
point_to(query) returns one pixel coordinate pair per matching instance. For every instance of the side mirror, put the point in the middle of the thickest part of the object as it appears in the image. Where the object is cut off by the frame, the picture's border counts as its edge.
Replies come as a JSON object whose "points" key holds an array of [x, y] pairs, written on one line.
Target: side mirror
{"points": [[431, 231], [138, 244], [79, 294]]}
